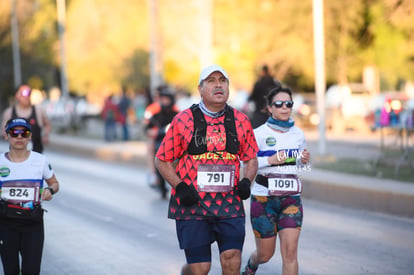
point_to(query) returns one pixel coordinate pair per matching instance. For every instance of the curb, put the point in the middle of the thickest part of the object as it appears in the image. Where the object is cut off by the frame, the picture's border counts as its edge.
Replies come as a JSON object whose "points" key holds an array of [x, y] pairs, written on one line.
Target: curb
{"points": [[134, 153], [399, 204]]}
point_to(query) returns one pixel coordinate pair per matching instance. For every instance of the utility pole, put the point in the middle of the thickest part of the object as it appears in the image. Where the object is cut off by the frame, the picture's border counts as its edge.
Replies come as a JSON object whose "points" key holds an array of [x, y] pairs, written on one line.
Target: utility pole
{"points": [[156, 78], [61, 12], [17, 72], [320, 82]]}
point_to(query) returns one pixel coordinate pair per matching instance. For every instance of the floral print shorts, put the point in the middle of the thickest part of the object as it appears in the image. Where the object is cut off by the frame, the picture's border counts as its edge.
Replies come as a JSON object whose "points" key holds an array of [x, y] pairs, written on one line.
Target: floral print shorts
{"points": [[270, 214]]}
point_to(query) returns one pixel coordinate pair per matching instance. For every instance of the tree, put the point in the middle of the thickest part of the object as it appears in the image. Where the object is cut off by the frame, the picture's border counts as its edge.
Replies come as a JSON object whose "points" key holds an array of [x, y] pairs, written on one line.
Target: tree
{"points": [[107, 43], [37, 35]]}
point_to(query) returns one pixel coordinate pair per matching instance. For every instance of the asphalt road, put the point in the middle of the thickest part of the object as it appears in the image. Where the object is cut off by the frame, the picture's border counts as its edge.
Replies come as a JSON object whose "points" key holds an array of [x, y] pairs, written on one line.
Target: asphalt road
{"points": [[106, 220]]}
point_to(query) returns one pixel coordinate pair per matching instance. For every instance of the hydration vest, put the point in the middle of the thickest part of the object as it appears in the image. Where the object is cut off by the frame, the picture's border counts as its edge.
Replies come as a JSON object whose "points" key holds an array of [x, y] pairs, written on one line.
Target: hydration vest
{"points": [[200, 126]]}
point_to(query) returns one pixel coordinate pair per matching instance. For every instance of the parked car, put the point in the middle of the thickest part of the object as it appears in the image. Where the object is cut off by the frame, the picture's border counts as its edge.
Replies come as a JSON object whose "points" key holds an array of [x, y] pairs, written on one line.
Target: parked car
{"points": [[347, 107], [304, 110], [69, 113]]}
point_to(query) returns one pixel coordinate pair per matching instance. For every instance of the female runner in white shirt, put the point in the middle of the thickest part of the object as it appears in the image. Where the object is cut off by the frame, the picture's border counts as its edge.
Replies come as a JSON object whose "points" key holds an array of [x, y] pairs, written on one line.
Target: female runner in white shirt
{"points": [[276, 207], [23, 174]]}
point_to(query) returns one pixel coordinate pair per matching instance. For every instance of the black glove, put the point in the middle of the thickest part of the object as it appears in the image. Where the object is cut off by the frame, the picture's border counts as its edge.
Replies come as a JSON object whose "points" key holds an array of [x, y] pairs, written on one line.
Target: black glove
{"points": [[187, 194], [243, 188]]}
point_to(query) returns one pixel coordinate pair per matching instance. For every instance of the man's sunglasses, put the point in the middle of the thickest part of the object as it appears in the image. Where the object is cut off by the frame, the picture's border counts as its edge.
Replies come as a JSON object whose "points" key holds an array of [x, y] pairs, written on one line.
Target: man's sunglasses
{"points": [[279, 104], [15, 133]]}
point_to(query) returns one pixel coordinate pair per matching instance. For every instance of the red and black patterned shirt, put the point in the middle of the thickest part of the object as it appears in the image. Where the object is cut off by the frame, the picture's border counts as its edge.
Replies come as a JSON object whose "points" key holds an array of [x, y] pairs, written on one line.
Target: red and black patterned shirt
{"points": [[174, 146]]}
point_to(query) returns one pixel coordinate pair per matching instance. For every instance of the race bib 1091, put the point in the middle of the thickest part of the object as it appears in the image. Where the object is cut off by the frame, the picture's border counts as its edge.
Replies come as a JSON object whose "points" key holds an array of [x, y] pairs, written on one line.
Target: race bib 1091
{"points": [[284, 185]]}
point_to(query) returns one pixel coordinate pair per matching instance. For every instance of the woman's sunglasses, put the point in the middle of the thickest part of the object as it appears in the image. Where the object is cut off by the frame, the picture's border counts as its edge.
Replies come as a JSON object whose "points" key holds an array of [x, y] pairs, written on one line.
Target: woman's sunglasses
{"points": [[26, 92], [15, 133], [279, 104]]}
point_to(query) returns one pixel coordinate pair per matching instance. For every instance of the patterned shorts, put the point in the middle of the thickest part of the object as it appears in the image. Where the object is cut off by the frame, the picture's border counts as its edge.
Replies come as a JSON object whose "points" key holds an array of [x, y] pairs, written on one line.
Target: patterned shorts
{"points": [[269, 215]]}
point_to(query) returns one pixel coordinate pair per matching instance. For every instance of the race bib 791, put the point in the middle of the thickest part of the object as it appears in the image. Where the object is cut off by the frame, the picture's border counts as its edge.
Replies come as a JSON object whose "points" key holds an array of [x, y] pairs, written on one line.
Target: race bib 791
{"points": [[215, 178]]}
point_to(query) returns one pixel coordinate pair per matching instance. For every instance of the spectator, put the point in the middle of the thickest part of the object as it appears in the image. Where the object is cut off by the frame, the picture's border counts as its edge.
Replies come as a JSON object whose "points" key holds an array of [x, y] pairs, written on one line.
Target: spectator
{"points": [[139, 103], [123, 107], [257, 97], [110, 115]]}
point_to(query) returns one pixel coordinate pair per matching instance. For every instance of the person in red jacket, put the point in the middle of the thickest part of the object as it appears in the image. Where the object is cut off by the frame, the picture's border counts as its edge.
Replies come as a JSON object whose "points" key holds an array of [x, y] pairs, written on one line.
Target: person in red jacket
{"points": [[110, 115], [200, 157]]}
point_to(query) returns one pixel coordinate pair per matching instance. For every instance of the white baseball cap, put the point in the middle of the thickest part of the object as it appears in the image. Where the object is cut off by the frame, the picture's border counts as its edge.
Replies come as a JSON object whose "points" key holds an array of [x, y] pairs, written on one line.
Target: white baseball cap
{"points": [[209, 70]]}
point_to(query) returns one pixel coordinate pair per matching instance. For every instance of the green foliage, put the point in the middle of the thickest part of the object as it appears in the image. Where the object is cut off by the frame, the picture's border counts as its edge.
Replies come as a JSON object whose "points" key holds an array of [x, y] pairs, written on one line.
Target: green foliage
{"points": [[134, 72], [105, 44], [393, 48], [37, 36]]}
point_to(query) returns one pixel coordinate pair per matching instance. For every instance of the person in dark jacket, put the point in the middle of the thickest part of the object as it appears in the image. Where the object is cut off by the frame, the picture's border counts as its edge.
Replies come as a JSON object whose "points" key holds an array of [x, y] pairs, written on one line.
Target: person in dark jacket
{"points": [[123, 106], [262, 86]]}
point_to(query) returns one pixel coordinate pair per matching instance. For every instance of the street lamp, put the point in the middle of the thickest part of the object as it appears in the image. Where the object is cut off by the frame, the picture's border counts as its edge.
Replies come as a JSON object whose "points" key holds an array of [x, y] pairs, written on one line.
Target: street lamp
{"points": [[156, 78], [320, 85], [61, 12], [17, 72]]}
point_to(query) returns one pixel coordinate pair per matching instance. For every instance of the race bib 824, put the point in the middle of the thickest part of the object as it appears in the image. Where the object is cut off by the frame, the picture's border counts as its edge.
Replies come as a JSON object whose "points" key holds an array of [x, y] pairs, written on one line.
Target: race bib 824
{"points": [[20, 191]]}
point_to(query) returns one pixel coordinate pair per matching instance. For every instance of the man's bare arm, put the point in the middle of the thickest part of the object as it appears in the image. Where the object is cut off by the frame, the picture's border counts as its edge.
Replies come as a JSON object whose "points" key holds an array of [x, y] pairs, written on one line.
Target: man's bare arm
{"points": [[250, 169], [167, 171]]}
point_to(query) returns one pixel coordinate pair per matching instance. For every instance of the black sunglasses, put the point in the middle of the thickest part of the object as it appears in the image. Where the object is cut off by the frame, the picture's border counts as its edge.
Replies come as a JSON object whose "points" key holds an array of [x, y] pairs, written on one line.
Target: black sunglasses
{"points": [[279, 103], [15, 133]]}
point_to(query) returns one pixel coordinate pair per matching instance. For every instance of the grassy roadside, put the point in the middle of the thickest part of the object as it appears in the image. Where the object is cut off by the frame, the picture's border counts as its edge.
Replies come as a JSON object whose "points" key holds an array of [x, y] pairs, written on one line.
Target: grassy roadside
{"points": [[384, 168]]}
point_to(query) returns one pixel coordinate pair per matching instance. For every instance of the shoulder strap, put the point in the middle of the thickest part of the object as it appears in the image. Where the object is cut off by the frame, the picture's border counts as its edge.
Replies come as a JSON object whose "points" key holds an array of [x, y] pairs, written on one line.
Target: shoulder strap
{"points": [[13, 112], [232, 142], [198, 144], [34, 112]]}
